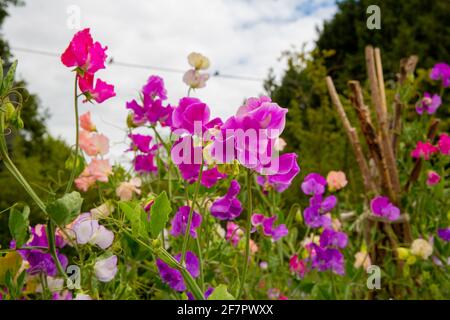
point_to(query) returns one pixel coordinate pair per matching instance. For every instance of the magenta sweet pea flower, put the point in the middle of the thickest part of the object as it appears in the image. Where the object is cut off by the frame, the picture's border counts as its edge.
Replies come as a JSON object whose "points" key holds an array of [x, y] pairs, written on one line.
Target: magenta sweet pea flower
{"points": [[145, 163], [433, 178], [140, 142], [297, 266], [99, 93], [444, 234], [287, 169], [444, 144], [155, 88], [314, 184], [269, 230], [441, 71], [193, 115], [234, 233], [250, 135], [382, 207], [228, 207], [84, 53], [424, 150], [211, 176], [207, 293], [173, 277], [180, 221], [187, 158], [428, 104]]}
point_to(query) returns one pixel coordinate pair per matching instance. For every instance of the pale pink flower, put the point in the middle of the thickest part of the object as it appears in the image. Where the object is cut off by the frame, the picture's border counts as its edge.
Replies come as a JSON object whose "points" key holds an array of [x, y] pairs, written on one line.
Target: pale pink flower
{"points": [[86, 122], [362, 259], [336, 180], [280, 144], [97, 170], [126, 189], [93, 143], [195, 79]]}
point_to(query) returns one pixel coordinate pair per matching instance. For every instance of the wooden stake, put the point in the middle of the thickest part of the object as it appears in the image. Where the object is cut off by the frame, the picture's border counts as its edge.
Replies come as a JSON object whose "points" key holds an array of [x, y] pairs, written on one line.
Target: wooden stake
{"points": [[353, 137], [385, 141]]}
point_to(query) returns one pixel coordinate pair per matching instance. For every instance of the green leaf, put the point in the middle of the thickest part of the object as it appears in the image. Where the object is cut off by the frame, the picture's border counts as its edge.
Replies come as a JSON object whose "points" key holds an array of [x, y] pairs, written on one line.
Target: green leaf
{"points": [[137, 217], [65, 209], [221, 293], [159, 214], [18, 224], [9, 78]]}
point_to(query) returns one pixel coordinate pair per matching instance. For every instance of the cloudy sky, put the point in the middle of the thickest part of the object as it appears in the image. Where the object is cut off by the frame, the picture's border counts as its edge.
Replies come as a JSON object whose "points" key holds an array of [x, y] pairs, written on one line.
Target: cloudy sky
{"points": [[241, 37]]}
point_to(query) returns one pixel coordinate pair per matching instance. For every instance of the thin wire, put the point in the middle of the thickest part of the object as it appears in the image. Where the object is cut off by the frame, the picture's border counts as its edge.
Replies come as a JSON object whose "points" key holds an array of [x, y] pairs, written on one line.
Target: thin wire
{"points": [[142, 66]]}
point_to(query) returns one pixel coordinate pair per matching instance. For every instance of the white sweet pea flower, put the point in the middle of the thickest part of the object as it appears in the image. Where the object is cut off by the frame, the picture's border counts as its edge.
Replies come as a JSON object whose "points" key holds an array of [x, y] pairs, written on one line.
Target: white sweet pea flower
{"points": [[195, 79], [82, 296], [106, 269], [126, 189], [421, 248], [102, 237]]}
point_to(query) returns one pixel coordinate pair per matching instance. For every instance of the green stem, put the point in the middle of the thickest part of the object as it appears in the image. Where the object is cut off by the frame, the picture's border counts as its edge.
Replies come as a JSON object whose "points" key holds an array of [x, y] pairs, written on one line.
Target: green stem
{"points": [[247, 232], [52, 248], [200, 258], [191, 212], [77, 129]]}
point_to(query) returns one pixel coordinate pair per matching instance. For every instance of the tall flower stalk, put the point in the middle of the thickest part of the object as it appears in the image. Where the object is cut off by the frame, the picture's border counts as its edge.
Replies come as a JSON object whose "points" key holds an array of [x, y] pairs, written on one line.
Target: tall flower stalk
{"points": [[77, 134]]}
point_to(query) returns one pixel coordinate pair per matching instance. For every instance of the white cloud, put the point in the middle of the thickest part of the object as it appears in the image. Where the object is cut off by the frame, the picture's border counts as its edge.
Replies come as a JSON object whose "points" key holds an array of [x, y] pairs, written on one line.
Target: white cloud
{"points": [[239, 37]]}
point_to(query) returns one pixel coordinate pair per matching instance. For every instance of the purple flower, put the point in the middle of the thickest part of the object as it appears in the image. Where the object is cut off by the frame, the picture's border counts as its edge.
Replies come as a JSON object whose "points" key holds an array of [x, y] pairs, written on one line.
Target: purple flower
{"points": [[444, 234], [314, 184], [324, 259], [192, 116], [211, 176], [324, 205], [314, 219], [208, 292], [41, 261], [106, 269], [331, 238], [267, 224], [180, 221], [429, 103], [173, 277], [441, 71], [382, 207], [228, 207], [283, 176]]}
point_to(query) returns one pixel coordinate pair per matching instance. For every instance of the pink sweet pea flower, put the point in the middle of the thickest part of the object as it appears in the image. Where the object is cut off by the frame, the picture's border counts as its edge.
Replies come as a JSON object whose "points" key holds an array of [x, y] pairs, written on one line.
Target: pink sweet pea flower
{"points": [[93, 143], [424, 150], [211, 176], [433, 178], [269, 230], [97, 170], [444, 144], [126, 189], [106, 269], [99, 93], [280, 172], [336, 180], [84, 53], [86, 123], [441, 71], [234, 233], [297, 266]]}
